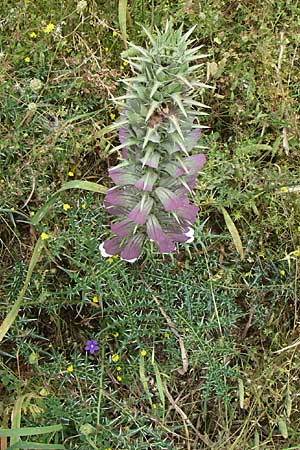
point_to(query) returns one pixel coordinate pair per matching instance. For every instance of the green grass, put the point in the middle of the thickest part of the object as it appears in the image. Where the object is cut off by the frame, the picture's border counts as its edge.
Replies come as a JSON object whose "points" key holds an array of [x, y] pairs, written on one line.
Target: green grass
{"points": [[211, 323]]}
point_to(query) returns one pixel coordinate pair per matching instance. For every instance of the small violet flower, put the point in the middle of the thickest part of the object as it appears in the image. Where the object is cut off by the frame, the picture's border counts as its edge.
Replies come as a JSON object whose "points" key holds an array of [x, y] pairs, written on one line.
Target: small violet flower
{"points": [[91, 346]]}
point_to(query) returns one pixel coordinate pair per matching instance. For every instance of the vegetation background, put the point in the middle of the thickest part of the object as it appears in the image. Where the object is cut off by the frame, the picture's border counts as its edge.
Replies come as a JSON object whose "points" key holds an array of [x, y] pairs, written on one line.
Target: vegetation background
{"points": [[198, 350]]}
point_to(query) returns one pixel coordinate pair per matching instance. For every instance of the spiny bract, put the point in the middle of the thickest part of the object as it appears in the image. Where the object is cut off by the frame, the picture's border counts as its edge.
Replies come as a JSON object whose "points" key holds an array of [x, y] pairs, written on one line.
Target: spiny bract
{"points": [[158, 128]]}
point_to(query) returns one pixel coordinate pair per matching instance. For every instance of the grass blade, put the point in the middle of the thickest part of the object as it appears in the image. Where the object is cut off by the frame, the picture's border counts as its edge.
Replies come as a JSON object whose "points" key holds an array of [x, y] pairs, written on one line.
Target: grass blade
{"points": [[30, 431], [36, 446], [144, 380], [159, 384], [10, 318], [75, 184], [122, 18], [234, 232]]}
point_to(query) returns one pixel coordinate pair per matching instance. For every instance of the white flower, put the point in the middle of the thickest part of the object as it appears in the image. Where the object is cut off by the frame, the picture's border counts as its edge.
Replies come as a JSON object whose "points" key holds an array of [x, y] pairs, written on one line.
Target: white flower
{"points": [[103, 252], [190, 234]]}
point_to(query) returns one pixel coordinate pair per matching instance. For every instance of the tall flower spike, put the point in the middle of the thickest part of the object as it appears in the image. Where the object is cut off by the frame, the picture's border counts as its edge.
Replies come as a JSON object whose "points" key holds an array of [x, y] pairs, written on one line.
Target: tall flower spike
{"points": [[158, 129]]}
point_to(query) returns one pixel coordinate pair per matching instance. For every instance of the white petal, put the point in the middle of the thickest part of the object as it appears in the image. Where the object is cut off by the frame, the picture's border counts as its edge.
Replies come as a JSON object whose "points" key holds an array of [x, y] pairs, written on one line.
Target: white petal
{"points": [[190, 234], [129, 260], [103, 252]]}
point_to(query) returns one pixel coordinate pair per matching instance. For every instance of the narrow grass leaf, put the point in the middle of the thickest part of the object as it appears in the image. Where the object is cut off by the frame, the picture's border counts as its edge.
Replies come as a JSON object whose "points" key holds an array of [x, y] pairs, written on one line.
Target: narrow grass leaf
{"points": [[122, 18], [16, 418], [10, 318], [75, 184], [283, 428], [36, 446], [288, 404], [256, 440], [159, 383], [241, 393], [234, 232], [30, 431], [144, 379]]}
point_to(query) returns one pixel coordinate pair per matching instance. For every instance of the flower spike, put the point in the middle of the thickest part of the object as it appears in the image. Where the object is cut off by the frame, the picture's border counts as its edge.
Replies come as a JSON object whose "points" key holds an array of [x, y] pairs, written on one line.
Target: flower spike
{"points": [[159, 127]]}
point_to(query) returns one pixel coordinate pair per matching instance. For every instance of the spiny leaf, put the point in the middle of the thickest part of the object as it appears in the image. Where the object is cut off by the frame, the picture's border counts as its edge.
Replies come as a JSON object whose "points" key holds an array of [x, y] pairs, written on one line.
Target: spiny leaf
{"points": [[152, 108], [156, 85], [177, 98], [189, 32], [174, 120]]}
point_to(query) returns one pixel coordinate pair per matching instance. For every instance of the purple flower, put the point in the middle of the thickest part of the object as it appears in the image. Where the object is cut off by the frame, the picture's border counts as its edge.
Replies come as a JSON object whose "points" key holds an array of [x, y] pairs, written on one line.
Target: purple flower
{"points": [[188, 212], [141, 211], [110, 247], [169, 200], [123, 228], [123, 136], [91, 346], [133, 248], [156, 234], [146, 182], [123, 175], [191, 165]]}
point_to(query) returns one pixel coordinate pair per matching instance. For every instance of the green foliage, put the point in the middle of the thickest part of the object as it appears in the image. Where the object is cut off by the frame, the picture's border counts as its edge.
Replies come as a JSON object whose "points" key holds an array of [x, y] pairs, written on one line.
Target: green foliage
{"points": [[237, 319]]}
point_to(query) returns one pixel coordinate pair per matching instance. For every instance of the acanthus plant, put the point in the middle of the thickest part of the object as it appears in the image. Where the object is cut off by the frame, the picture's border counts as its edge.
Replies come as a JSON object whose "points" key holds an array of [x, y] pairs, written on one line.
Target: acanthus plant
{"points": [[158, 128]]}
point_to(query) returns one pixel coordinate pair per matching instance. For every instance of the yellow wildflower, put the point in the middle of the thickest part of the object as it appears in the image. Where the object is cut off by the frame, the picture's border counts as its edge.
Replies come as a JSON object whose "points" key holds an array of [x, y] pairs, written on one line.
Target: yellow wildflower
{"points": [[112, 116], [106, 49], [12, 209], [70, 368], [33, 35], [95, 299], [143, 352], [119, 378], [116, 334], [71, 174], [32, 213], [283, 188], [115, 34], [49, 28], [125, 63], [2, 182], [44, 236], [119, 369], [27, 59], [115, 358], [154, 406], [110, 260], [83, 206], [66, 206], [282, 272], [121, 67]]}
